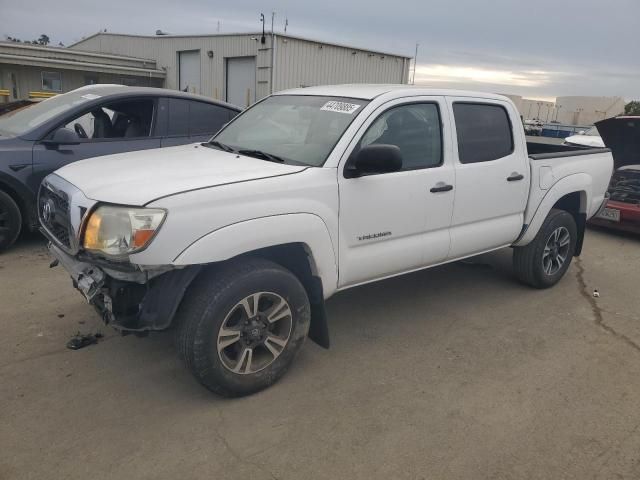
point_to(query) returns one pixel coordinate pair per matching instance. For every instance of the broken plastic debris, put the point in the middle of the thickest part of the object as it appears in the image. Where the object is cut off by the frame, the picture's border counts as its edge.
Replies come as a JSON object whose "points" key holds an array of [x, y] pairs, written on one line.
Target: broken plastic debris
{"points": [[79, 341], [596, 293]]}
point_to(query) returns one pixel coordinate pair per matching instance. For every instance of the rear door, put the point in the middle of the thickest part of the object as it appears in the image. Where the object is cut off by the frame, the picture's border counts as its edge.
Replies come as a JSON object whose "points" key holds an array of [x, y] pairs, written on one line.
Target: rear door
{"points": [[395, 222], [492, 176], [191, 121]]}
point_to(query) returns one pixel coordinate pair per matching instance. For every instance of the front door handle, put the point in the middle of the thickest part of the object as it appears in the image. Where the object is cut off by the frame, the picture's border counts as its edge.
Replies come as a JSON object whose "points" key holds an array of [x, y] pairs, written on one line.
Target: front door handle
{"points": [[441, 187], [514, 177]]}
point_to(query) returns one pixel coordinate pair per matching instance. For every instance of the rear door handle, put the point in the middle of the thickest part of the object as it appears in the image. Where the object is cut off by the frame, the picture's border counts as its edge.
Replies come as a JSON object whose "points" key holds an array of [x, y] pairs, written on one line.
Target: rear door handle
{"points": [[441, 187], [514, 177]]}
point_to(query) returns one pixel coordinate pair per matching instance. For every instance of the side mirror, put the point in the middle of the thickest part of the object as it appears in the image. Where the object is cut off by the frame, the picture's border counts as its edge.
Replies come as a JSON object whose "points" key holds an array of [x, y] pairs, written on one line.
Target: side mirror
{"points": [[62, 136], [374, 159]]}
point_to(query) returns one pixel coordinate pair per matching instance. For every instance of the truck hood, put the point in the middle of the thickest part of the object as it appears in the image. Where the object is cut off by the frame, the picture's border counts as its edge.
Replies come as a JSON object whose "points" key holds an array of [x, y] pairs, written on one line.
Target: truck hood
{"points": [[622, 136], [137, 178]]}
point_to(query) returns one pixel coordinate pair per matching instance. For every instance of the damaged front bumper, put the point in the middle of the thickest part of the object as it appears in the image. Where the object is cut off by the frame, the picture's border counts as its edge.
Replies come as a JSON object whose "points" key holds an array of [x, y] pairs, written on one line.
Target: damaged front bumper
{"points": [[127, 298]]}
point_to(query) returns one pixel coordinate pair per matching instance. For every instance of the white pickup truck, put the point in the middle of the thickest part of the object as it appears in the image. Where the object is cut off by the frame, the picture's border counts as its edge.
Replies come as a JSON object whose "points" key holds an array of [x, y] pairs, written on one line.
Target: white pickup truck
{"points": [[239, 241]]}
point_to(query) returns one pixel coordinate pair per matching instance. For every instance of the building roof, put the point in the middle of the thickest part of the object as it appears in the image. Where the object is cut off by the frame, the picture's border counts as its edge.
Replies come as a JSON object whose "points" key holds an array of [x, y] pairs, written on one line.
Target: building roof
{"points": [[371, 91], [73, 59], [243, 34]]}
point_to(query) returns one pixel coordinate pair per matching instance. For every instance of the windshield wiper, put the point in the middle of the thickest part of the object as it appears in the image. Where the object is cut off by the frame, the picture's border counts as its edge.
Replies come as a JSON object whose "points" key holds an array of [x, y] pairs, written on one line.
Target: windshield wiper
{"points": [[219, 145], [262, 155]]}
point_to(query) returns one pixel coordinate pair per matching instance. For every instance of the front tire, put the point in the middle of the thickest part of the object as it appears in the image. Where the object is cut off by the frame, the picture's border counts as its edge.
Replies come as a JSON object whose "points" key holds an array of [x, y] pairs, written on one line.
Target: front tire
{"points": [[10, 221], [544, 261], [241, 326]]}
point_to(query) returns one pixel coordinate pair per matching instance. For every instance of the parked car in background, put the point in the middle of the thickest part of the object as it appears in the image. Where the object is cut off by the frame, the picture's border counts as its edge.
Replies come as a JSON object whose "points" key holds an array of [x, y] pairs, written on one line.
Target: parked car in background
{"points": [[586, 138], [88, 122], [240, 240], [533, 127], [622, 136], [16, 105]]}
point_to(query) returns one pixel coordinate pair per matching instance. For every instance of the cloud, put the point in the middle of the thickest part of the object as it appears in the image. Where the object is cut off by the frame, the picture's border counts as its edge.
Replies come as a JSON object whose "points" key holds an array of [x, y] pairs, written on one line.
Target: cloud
{"points": [[546, 48], [429, 74]]}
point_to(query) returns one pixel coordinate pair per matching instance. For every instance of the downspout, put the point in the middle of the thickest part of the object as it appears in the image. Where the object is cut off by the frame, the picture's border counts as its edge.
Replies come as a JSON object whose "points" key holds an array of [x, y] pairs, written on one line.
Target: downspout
{"points": [[273, 53]]}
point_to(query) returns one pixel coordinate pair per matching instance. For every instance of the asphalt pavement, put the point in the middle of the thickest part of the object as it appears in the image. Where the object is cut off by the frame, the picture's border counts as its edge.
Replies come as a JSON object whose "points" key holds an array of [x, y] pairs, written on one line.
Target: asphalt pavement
{"points": [[456, 372]]}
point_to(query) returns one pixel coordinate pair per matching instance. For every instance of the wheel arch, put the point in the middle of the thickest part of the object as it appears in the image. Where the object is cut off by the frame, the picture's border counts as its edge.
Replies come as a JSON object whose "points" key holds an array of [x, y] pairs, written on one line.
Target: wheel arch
{"points": [[23, 198], [298, 242], [572, 194]]}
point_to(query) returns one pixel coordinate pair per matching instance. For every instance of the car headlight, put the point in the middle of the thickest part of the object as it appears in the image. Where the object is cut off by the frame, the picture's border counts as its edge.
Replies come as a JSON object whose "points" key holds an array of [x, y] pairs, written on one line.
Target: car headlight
{"points": [[121, 230]]}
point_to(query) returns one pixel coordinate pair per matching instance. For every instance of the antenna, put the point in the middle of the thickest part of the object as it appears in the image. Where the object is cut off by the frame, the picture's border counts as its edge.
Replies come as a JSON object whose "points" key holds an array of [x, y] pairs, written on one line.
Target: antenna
{"points": [[286, 24], [273, 16], [218, 27], [263, 40]]}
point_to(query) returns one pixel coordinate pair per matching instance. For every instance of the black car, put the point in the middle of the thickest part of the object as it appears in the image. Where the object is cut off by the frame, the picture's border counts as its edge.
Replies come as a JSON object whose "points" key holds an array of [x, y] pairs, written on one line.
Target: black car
{"points": [[89, 122]]}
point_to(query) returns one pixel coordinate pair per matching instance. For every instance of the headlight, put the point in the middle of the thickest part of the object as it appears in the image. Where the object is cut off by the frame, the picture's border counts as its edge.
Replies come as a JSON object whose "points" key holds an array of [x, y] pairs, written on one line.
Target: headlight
{"points": [[121, 230]]}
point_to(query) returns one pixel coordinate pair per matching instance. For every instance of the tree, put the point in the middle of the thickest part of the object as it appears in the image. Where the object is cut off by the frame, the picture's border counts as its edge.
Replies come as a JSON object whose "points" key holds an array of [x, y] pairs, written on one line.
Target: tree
{"points": [[44, 39], [632, 108]]}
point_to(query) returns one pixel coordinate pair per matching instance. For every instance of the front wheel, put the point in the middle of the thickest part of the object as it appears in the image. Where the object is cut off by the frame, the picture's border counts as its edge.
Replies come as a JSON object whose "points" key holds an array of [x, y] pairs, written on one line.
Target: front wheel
{"points": [[544, 261], [10, 221], [240, 327]]}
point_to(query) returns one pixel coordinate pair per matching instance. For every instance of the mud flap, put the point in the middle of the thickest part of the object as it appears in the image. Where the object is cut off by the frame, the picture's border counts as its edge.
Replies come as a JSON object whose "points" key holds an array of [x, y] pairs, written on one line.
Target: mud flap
{"points": [[318, 330]]}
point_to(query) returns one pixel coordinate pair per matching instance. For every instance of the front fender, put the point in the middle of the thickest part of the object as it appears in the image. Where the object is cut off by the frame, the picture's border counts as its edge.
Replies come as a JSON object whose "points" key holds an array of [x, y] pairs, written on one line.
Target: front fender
{"points": [[579, 182], [247, 236]]}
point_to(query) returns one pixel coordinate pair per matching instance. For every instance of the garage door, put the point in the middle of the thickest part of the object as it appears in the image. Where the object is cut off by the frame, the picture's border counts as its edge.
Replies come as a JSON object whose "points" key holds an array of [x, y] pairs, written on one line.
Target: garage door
{"points": [[189, 72], [241, 81]]}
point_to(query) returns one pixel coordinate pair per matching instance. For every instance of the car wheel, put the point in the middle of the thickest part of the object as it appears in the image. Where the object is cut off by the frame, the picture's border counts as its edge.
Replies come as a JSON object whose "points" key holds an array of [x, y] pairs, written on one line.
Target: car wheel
{"points": [[544, 261], [240, 326], [10, 221]]}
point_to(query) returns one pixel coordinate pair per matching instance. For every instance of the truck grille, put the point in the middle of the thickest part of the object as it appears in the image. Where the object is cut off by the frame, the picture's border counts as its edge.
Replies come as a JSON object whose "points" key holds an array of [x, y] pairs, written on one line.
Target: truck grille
{"points": [[625, 186], [54, 214]]}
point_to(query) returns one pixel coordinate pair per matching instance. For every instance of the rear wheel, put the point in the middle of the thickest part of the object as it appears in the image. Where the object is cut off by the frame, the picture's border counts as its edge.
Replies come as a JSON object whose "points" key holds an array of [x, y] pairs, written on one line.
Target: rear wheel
{"points": [[240, 327], [544, 261], [10, 221]]}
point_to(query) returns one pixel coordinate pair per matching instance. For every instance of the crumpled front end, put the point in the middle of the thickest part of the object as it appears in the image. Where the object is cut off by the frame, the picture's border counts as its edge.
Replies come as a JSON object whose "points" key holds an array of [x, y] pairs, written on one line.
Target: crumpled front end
{"points": [[128, 299]]}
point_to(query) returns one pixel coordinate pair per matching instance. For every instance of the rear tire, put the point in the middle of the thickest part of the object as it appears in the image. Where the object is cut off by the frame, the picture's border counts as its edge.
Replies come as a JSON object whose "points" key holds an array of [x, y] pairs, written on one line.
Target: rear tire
{"points": [[10, 221], [241, 326], [544, 261]]}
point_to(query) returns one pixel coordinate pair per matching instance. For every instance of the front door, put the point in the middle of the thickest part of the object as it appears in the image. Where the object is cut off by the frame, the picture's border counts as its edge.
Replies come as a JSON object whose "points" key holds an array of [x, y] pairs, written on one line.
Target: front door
{"points": [[116, 127], [396, 222], [492, 177]]}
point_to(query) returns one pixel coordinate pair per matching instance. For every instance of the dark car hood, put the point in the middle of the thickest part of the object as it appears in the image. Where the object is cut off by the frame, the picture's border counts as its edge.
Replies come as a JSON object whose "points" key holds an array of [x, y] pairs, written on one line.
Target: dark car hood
{"points": [[622, 136]]}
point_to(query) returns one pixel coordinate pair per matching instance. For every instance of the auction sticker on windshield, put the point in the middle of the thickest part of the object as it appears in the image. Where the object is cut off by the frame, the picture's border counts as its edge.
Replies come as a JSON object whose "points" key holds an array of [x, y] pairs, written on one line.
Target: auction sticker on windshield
{"points": [[340, 107]]}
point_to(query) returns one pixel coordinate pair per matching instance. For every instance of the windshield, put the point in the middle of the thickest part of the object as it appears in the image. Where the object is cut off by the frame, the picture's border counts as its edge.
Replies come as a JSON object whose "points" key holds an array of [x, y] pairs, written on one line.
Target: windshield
{"points": [[21, 121], [294, 128]]}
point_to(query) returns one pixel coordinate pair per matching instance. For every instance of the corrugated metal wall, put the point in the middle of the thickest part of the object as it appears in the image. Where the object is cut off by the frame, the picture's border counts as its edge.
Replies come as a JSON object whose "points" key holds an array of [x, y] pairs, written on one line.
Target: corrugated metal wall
{"points": [[297, 62], [302, 63]]}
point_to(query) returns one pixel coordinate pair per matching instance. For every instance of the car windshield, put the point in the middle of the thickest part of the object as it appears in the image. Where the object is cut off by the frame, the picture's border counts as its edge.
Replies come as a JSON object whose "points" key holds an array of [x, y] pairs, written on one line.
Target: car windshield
{"points": [[21, 121], [296, 129]]}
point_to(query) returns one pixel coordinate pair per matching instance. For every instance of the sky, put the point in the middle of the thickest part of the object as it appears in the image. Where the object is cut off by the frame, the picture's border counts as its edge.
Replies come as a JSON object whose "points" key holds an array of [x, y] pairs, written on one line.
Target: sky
{"points": [[537, 49]]}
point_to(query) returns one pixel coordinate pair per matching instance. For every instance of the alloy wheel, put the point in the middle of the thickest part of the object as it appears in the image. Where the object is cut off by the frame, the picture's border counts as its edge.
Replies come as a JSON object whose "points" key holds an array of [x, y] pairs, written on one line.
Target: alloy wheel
{"points": [[254, 333], [556, 251]]}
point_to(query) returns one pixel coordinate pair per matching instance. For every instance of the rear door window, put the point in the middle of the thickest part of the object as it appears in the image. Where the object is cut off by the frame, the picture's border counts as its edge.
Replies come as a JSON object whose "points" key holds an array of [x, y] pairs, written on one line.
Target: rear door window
{"points": [[178, 117], [207, 119], [484, 132], [187, 117]]}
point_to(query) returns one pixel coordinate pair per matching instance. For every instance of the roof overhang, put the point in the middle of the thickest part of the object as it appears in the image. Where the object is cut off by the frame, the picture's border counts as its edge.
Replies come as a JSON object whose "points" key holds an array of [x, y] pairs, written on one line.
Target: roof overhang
{"points": [[8, 58]]}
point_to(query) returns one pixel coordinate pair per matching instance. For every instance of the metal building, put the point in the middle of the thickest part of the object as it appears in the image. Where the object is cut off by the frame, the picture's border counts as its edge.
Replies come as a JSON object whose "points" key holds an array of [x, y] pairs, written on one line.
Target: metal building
{"points": [[244, 67], [33, 71]]}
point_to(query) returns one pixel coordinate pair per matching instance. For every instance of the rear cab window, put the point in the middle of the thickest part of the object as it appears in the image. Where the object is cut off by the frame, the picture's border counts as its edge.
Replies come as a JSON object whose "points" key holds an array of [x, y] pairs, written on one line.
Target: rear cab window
{"points": [[484, 132]]}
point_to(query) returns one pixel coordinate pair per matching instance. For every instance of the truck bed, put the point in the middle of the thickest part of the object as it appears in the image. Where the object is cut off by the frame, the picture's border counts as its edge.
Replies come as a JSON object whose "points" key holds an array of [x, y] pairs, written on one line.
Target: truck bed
{"points": [[536, 148]]}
